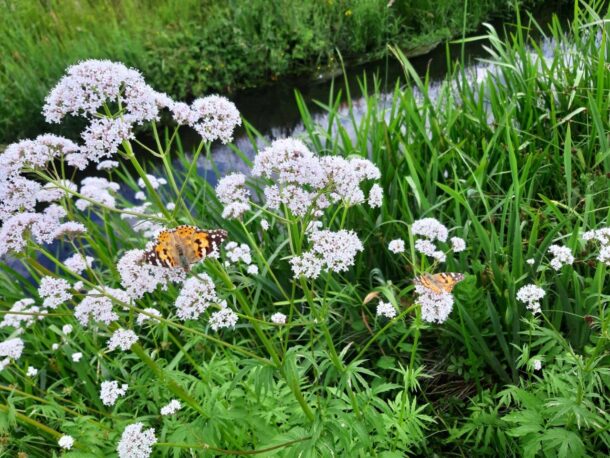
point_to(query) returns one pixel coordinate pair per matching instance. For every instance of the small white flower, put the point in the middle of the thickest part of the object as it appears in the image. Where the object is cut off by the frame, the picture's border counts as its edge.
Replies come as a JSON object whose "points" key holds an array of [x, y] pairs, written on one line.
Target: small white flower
{"points": [[66, 442], [54, 291], [95, 307], [66, 329], [386, 309], [197, 294], [426, 247], [537, 364], [12, 348], [234, 195], [562, 256], [107, 165], [376, 196], [170, 206], [223, 318], [252, 269], [155, 182], [531, 261], [140, 196], [278, 318], [435, 307], [397, 246], [76, 357], [123, 339], [214, 118], [458, 244], [171, 408], [334, 251], [136, 442], [430, 228], [55, 347], [531, 295], [110, 392], [31, 372], [78, 263], [237, 253], [264, 225]]}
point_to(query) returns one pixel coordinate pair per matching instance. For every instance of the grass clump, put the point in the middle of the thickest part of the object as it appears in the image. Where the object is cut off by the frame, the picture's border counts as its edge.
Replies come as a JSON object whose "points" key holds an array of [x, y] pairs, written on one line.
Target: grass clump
{"points": [[426, 278]]}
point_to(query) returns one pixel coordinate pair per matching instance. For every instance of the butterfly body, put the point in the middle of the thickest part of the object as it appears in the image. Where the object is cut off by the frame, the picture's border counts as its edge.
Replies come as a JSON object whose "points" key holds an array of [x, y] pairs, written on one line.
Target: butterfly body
{"points": [[439, 283], [183, 246]]}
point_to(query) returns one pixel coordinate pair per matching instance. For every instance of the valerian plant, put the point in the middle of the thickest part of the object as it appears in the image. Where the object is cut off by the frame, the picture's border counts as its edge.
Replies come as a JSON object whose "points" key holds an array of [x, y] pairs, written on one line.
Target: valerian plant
{"points": [[432, 283]]}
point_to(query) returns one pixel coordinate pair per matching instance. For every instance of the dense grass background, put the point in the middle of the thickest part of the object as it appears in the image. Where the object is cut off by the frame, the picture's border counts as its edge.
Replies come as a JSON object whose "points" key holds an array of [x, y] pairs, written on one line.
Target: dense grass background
{"points": [[190, 47]]}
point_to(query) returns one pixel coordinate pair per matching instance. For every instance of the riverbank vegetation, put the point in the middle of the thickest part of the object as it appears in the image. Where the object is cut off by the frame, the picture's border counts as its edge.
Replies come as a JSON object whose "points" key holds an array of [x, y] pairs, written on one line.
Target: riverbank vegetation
{"points": [[425, 278], [187, 48]]}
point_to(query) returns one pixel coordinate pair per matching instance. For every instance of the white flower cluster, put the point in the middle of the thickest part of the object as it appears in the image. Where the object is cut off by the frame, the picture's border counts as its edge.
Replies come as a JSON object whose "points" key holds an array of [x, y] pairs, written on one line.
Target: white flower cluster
{"points": [[278, 318], [155, 182], [531, 295], [54, 291], [88, 88], [19, 195], [54, 191], [10, 349], [139, 278], [435, 307], [307, 183], [99, 190], [66, 442], [397, 246], [20, 319], [386, 309], [95, 307], [602, 236], [433, 231], [110, 392], [333, 251], [31, 372], [44, 228], [34, 154], [213, 117], [107, 165], [223, 318], [123, 339], [562, 256], [430, 228], [375, 199], [171, 408], [78, 263], [136, 442], [234, 195], [90, 85], [197, 294]]}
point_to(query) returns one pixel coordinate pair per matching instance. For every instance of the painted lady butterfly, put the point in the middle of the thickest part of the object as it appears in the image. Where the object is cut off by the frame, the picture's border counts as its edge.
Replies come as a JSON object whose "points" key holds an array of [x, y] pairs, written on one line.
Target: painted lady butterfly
{"points": [[437, 283], [183, 246]]}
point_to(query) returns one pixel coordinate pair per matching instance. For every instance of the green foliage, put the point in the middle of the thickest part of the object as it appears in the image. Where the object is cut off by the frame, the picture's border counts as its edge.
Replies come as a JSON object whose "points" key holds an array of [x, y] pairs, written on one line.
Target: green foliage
{"points": [[189, 47]]}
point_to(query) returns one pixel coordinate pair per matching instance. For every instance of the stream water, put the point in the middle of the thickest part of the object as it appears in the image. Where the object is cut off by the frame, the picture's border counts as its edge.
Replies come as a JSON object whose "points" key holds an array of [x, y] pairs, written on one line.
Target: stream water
{"points": [[273, 110]]}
